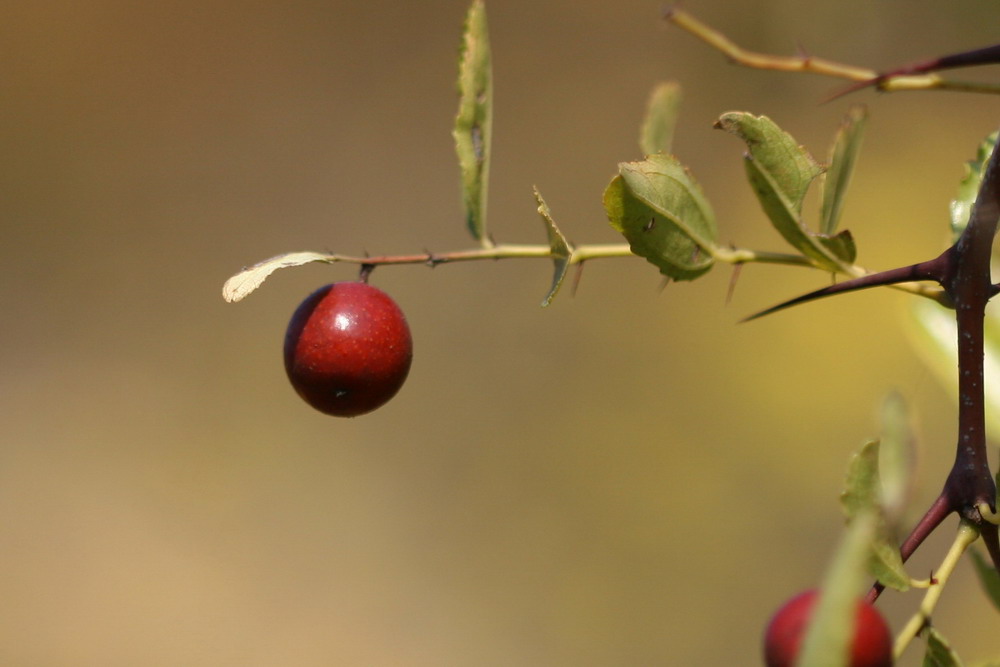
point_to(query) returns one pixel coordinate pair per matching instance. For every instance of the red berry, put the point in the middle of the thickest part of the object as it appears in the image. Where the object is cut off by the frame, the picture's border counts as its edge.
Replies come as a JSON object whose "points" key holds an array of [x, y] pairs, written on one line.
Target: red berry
{"points": [[347, 349], [872, 645]]}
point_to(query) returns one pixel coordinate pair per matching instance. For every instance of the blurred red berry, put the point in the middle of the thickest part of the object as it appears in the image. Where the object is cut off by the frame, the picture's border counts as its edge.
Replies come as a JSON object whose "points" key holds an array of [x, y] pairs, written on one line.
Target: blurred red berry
{"points": [[872, 645]]}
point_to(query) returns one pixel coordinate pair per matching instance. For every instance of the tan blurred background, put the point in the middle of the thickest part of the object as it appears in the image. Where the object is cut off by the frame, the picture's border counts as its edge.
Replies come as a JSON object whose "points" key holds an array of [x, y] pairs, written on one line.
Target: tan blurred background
{"points": [[628, 477]]}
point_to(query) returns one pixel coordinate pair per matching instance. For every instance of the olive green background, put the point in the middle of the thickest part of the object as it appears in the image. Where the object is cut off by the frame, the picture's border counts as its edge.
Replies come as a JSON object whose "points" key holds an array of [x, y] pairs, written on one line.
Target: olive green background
{"points": [[629, 477]]}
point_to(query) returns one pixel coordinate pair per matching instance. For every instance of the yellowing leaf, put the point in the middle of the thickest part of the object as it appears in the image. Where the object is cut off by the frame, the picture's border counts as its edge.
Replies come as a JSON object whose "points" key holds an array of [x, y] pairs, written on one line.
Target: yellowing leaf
{"points": [[474, 122], [250, 278], [559, 246]]}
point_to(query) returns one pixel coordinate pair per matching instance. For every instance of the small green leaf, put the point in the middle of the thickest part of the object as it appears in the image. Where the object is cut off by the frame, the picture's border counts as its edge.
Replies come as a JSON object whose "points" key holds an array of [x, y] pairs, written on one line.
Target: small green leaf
{"points": [[939, 652], [474, 121], [790, 166], [968, 187], [657, 133], [896, 463], [561, 250], [861, 489], [843, 154], [250, 278], [660, 209], [862, 496], [988, 577], [780, 172], [886, 565], [827, 641], [784, 218]]}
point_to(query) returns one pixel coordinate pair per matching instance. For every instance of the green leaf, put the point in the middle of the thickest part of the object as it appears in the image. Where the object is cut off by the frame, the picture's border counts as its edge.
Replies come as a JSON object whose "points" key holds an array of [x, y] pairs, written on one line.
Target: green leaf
{"points": [[843, 155], [841, 245], [780, 172], [657, 133], [660, 209], [897, 454], [827, 641], [939, 652], [474, 121], [886, 565], [252, 277], [790, 166], [862, 496], [968, 187], [561, 250], [988, 577], [861, 488]]}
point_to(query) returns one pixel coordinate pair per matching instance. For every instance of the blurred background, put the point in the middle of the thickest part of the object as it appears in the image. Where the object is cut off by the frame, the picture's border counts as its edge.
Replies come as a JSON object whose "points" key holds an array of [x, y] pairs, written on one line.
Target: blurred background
{"points": [[628, 477]]}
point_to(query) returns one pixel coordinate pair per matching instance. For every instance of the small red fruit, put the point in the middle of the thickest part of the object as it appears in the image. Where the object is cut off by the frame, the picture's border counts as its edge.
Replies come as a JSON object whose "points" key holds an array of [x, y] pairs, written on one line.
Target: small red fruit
{"points": [[347, 349], [872, 645]]}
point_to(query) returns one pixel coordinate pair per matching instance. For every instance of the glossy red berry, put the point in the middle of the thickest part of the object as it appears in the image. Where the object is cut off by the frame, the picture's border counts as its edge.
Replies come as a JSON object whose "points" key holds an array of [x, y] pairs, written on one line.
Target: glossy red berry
{"points": [[872, 645], [347, 349]]}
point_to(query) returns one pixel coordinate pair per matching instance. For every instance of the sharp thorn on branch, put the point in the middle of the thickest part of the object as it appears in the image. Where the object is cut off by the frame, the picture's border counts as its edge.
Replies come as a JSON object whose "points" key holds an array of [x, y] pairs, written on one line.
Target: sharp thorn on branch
{"points": [[935, 269], [737, 271], [577, 275]]}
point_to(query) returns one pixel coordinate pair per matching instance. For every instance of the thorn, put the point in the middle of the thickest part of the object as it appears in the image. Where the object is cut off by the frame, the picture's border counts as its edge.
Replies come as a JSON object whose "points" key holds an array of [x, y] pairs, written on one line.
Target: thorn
{"points": [[576, 279], [737, 270], [935, 269], [663, 285], [432, 259], [853, 88]]}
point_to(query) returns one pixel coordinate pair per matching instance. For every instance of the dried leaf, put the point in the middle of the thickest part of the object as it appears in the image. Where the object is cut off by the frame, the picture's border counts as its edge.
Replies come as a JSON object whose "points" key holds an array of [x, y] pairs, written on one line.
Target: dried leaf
{"points": [[249, 279], [474, 122], [561, 250]]}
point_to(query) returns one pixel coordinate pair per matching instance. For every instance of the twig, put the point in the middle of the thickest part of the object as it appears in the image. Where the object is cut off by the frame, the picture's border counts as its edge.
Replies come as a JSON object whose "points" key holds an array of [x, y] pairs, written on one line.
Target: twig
{"points": [[901, 79], [967, 534]]}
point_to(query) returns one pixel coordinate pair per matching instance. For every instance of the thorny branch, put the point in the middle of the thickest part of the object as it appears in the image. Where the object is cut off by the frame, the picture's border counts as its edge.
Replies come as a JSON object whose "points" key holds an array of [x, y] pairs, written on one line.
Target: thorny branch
{"points": [[916, 76]]}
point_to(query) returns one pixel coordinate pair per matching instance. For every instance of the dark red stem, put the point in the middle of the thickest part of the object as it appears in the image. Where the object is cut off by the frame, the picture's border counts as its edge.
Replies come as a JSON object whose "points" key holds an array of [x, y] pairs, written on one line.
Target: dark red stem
{"points": [[988, 55]]}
